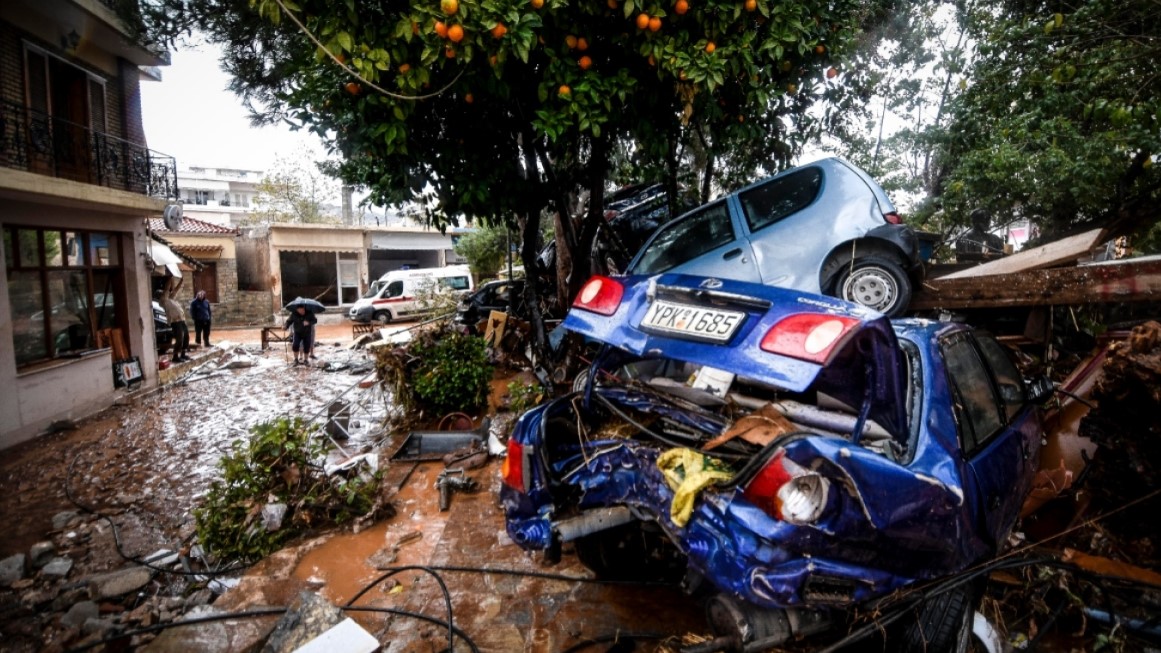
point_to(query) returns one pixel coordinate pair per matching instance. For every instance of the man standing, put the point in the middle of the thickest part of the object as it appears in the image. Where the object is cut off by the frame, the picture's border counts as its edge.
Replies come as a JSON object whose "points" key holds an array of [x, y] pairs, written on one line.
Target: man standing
{"points": [[303, 322], [200, 311], [176, 318]]}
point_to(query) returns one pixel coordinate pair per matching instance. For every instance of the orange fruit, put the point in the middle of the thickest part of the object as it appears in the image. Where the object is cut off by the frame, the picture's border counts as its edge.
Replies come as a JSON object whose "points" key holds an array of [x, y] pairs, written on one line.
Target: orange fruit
{"points": [[585, 63], [414, 27], [681, 7], [564, 90], [469, 99], [681, 75], [455, 33], [751, 5], [404, 68], [499, 31], [652, 61], [492, 61], [441, 29], [449, 7], [654, 24], [612, 4], [582, 44], [710, 47], [353, 88], [819, 49], [450, 53], [537, 4], [570, 41], [642, 21], [831, 72], [741, 119]]}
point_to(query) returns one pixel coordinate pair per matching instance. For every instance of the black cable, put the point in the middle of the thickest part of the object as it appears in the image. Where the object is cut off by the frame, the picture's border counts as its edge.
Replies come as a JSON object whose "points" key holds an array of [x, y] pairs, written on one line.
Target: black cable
{"points": [[546, 575], [258, 612], [612, 637], [442, 587], [1066, 393], [657, 436], [415, 615]]}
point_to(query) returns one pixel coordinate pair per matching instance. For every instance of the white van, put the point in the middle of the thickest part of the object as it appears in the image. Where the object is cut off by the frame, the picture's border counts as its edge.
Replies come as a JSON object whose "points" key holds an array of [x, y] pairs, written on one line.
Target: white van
{"points": [[393, 295]]}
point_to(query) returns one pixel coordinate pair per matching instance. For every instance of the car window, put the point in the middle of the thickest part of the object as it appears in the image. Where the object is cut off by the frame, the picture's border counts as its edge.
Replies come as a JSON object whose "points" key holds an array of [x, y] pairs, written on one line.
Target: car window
{"points": [[454, 283], [394, 289], [781, 197], [1008, 379], [976, 401], [686, 239]]}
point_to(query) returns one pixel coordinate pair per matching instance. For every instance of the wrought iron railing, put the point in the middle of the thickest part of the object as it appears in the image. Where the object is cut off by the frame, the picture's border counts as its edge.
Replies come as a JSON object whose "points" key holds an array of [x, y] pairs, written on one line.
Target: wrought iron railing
{"points": [[37, 142]]}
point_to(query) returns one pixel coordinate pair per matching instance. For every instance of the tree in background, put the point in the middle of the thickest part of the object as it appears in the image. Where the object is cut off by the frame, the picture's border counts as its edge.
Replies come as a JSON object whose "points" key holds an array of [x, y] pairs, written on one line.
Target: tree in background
{"points": [[507, 110], [295, 189], [485, 249]]}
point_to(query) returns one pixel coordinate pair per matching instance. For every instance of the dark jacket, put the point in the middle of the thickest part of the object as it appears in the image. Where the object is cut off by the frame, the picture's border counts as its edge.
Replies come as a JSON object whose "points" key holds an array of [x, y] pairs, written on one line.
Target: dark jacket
{"points": [[301, 323], [200, 311]]}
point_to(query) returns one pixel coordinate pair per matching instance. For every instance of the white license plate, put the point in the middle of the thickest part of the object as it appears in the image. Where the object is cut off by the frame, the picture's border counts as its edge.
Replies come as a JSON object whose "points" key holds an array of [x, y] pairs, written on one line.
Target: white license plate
{"points": [[695, 321]]}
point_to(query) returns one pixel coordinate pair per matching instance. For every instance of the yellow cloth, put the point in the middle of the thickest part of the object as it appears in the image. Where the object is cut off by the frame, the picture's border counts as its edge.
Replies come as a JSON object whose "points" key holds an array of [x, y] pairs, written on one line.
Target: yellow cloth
{"points": [[688, 472]]}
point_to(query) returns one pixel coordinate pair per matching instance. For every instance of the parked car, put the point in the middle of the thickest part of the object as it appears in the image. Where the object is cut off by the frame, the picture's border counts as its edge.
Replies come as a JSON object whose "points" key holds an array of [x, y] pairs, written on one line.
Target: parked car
{"points": [[162, 332], [492, 296], [825, 227], [632, 214], [869, 455]]}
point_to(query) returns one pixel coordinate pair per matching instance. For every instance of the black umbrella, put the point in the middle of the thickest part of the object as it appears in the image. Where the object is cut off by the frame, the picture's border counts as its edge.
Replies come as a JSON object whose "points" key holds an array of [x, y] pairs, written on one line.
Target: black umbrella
{"points": [[309, 304]]}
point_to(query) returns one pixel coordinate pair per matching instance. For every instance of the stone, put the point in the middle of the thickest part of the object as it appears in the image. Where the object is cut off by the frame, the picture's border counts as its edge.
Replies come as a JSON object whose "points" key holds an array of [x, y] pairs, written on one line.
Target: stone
{"points": [[38, 598], [200, 597], [41, 553], [12, 569], [309, 616], [58, 567], [120, 582], [79, 613], [61, 520], [99, 627], [235, 635], [68, 597]]}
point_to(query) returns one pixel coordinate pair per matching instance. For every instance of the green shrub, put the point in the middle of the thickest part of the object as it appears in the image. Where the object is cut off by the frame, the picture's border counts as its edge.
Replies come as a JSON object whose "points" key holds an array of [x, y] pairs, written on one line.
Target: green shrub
{"points": [[522, 396], [280, 463], [453, 372]]}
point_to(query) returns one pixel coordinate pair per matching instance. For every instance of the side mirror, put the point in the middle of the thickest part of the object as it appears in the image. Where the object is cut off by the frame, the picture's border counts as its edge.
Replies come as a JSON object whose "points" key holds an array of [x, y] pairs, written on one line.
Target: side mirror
{"points": [[1040, 389]]}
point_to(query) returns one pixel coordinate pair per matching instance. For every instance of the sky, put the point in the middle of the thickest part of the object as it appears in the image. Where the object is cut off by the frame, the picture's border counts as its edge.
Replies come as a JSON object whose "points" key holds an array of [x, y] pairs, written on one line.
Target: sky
{"points": [[192, 116]]}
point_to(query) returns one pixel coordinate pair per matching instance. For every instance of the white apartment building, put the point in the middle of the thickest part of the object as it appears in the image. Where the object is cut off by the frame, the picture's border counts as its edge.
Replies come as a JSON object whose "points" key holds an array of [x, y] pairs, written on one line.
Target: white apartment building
{"points": [[221, 196]]}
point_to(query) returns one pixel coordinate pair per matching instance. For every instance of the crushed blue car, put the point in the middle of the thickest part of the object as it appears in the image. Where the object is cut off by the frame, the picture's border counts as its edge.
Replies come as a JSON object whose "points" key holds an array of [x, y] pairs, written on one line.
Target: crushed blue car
{"points": [[797, 454]]}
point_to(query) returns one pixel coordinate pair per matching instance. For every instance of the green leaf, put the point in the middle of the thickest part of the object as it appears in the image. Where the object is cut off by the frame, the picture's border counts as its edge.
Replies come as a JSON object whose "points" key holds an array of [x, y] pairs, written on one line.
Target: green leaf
{"points": [[344, 40]]}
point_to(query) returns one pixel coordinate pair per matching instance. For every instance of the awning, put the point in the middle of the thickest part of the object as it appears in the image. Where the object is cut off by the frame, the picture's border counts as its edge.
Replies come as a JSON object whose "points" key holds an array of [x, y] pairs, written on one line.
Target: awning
{"points": [[197, 250], [432, 240], [162, 255]]}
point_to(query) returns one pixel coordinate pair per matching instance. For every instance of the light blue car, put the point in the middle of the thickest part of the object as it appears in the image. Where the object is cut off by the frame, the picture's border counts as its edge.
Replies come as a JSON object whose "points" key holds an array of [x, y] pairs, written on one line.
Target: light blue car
{"points": [[824, 227]]}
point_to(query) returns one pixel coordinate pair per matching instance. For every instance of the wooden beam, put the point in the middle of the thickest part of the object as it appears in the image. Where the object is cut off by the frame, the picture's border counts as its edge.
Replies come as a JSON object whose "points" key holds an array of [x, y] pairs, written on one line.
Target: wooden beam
{"points": [[1058, 252], [1130, 280]]}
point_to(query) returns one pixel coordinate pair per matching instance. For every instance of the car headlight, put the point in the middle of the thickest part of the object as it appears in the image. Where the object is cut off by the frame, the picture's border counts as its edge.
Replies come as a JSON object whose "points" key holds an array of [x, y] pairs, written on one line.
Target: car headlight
{"points": [[803, 498]]}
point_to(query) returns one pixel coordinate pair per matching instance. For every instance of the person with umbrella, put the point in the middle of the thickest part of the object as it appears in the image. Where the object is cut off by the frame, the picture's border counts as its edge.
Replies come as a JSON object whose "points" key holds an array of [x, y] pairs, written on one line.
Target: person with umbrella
{"points": [[302, 319]]}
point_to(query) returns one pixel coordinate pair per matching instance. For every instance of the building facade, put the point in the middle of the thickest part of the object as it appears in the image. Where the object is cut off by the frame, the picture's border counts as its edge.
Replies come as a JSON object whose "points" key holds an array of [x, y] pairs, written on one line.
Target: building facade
{"points": [[221, 196], [77, 182]]}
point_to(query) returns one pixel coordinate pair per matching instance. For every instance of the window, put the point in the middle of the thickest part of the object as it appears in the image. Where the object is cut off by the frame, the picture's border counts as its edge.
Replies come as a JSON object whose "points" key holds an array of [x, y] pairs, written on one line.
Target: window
{"points": [[63, 287], [394, 289], [688, 238], [779, 198], [1008, 379], [976, 408], [454, 283]]}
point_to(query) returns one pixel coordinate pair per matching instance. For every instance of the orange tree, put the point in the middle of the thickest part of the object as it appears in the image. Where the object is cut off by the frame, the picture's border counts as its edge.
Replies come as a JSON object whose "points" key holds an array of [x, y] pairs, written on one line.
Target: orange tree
{"points": [[502, 110]]}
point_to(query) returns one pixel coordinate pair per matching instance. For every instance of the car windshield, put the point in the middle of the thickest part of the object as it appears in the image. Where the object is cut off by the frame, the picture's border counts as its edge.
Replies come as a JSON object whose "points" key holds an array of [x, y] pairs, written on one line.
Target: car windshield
{"points": [[373, 291], [687, 238]]}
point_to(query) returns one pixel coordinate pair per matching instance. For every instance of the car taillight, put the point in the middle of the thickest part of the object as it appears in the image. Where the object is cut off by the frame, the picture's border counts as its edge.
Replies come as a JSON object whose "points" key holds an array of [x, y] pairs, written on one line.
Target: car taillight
{"points": [[611, 213], [808, 336], [512, 471], [893, 218], [788, 491], [600, 295]]}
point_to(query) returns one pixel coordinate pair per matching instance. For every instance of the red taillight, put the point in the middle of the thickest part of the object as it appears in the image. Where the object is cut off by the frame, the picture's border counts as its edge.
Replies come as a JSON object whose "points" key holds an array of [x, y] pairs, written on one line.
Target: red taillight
{"points": [[611, 213], [893, 218], [788, 491], [808, 336], [512, 471], [600, 295]]}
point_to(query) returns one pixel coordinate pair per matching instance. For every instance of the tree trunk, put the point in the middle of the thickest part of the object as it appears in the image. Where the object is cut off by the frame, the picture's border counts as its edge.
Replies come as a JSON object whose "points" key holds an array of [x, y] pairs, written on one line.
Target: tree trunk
{"points": [[530, 235]]}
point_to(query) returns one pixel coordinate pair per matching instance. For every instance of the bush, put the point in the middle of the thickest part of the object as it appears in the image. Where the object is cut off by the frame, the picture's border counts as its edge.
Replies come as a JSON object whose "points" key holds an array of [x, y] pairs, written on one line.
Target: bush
{"points": [[453, 373], [280, 463], [522, 396]]}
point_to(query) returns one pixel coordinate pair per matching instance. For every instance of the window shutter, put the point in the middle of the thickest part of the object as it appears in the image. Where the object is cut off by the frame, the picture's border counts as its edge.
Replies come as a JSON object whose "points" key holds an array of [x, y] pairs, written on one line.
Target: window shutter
{"points": [[37, 86], [97, 105]]}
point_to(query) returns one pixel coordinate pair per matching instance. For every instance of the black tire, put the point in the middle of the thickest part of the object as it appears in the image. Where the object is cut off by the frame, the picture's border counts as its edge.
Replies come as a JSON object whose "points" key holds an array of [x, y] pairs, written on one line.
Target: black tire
{"points": [[941, 624], [631, 552], [382, 317], [875, 282]]}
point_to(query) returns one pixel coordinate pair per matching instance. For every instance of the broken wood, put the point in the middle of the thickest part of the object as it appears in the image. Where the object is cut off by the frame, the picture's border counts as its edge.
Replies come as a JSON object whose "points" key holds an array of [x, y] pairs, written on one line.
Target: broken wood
{"points": [[1059, 252], [1109, 567], [1130, 280]]}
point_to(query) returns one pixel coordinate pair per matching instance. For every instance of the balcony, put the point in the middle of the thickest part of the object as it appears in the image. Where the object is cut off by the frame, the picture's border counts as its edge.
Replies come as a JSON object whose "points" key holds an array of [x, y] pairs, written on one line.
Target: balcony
{"points": [[39, 143]]}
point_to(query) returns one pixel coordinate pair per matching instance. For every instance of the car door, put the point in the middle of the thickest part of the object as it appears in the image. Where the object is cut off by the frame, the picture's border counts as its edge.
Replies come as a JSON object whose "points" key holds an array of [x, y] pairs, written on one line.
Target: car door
{"points": [[705, 242], [992, 445]]}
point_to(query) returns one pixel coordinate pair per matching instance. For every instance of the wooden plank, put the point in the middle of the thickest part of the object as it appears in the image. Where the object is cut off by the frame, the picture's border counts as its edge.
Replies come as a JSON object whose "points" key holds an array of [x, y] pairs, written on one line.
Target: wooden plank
{"points": [[1131, 280], [1065, 250]]}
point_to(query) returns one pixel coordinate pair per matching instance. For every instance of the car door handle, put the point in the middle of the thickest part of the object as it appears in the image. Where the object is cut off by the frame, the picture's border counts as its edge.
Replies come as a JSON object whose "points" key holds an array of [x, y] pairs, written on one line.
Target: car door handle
{"points": [[733, 253]]}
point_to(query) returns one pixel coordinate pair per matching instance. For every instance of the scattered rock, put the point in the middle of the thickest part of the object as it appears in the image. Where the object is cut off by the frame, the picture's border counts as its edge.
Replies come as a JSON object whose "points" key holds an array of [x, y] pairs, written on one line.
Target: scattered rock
{"points": [[61, 520], [198, 598], [99, 627], [68, 597], [308, 617], [79, 613], [23, 584], [120, 582], [41, 553], [12, 569], [38, 598], [57, 567], [236, 635]]}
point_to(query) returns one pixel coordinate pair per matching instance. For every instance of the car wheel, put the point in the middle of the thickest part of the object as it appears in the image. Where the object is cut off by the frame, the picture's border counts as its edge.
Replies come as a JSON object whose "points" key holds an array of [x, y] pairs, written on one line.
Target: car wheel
{"points": [[877, 283], [632, 552], [383, 317], [941, 624]]}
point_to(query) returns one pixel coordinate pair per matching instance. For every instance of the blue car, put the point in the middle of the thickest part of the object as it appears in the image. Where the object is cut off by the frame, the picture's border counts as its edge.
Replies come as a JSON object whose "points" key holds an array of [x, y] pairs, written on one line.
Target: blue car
{"points": [[798, 454], [824, 227]]}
